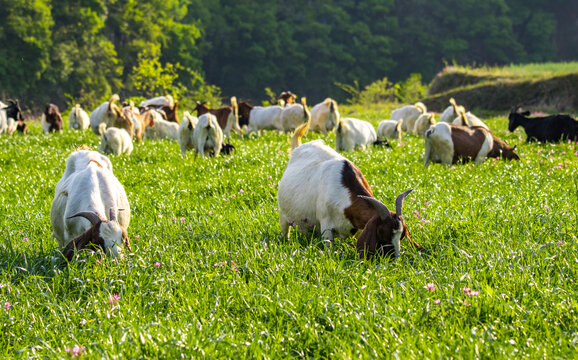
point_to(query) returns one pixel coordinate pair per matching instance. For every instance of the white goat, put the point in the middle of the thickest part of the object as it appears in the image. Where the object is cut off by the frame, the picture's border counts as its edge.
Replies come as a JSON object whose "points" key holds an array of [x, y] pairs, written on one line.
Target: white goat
{"points": [[324, 192], [450, 112], [186, 131], [409, 114], [468, 119], [294, 115], [390, 129], [160, 128], [159, 101], [261, 118], [352, 133], [115, 141], [207, 135], [78, 118], [325, 116], [423, 123], [87, 192], [105, 113]]}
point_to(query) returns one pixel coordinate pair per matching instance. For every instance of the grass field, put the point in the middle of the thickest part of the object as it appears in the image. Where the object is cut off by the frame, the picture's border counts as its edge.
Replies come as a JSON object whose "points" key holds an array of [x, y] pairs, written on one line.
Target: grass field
{"points": [[211, 277]]}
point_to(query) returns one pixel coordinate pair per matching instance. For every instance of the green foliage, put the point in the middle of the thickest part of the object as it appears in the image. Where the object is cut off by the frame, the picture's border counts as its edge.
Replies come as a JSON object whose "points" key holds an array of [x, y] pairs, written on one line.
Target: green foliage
{"points": [[411, 90], [150, 77], [228, 286]]}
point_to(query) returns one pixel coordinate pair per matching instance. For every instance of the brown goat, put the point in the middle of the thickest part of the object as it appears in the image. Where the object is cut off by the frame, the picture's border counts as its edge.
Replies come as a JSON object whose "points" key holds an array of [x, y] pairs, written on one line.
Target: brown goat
{"points": [[51, 119]]}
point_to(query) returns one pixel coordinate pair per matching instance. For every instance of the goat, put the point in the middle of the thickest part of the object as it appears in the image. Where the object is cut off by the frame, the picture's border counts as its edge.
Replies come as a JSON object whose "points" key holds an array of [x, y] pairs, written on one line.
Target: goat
{"points": [[185, 133], [352, 133], [423, 123], [550, 128], [207, 135], [390, 129], [86, 192], [159, 128], [449, 143], [287, 98], [115, 141], [78, 118], [324, 192], [105, 113], [227, 116], [294, 115], [324, 116], [132, 113], [260, 118], [450, 113], [51, 120], [158, 101], [409, 114], [468, 119], [11, 118]]}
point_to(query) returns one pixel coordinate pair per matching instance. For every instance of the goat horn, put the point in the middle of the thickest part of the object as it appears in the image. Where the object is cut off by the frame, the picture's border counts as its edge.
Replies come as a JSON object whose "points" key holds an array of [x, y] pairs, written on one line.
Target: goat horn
{"points": [[382, 210], [112, 214], [91, 216], [399, 202]]}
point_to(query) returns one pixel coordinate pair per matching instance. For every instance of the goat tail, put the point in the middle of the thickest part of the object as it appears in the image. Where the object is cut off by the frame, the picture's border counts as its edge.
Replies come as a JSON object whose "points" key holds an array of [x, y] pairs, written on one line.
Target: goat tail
{"points": [[421, 107], [453, 102], [299, 133]]}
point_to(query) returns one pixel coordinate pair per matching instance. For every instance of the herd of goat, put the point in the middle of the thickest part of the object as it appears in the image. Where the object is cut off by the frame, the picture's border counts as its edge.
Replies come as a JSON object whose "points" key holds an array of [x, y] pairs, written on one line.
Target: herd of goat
{"points": [[90, 209]]}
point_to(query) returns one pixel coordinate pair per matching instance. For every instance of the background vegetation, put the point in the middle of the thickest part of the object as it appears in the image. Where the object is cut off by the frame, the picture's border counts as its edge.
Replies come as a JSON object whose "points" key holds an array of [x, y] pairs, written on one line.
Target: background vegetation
{"points": [[61, 51]]}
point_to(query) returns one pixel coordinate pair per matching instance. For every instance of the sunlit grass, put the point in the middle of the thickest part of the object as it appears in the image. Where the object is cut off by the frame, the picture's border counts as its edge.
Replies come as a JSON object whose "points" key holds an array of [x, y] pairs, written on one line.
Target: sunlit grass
{"points": [[211, 277]]}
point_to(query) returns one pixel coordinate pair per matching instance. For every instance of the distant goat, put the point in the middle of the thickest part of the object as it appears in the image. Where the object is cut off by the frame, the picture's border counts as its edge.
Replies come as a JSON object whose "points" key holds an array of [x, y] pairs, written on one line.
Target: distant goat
{"points": [[390, 129], [324, 192], [115, 141], [260, 118], [185, 133], [78, 118], [468, 119], [325, 116], [449, 143], [423, 123], [294, 115], [545, 129], [352, 133], [11, 118], [450, 113], [409, 114], [207, 135], [227, 116], [288, 98], [105, 113], [51, 120], [88, 192], [159, 128]]}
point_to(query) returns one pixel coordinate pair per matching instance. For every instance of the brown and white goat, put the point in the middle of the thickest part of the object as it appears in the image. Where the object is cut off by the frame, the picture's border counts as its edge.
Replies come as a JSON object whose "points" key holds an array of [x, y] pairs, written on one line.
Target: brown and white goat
{"points": [[448, 143], [51, 119], [227, 116], [288, 98], [323, 191]]}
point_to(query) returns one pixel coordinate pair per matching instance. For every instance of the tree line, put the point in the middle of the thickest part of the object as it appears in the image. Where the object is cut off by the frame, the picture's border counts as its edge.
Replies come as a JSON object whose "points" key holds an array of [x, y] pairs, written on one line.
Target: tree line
{"points": [[84, 50]]}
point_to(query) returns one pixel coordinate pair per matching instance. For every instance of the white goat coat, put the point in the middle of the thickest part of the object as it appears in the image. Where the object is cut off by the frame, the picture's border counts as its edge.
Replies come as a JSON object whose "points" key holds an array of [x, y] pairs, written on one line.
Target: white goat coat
{"points": [[292, 116], [208, 135], [161, 128], [78, 119], [472, 120], [409, 114], [323, 120], [265, 118], [186, 131], [311, 193], [166, 100], [423, 123], [7, 125], [100, 116], [448, 115], [352, 133], [390, 129], [439, 145], [116, 141], [87, 184]]}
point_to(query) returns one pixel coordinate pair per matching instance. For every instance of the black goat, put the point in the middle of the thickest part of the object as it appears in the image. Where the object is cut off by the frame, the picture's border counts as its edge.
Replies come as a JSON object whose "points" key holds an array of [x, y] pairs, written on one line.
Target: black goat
{"points": [[545, 129]]}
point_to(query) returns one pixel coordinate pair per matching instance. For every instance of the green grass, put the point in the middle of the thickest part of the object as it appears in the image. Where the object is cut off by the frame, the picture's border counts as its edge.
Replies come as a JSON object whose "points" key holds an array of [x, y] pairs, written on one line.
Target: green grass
{"points": [[493, 228], [516, 71]]}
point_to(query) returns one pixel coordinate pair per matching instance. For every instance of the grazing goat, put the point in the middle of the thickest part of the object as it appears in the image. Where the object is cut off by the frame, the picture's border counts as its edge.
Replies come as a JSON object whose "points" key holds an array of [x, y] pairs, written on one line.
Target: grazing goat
{"points": [[390, 129], [207, 135], [86, 193], [545, 129], [287, 97], [105, 113], [352, 133], [11, 118], [132, 113], [450, 113], [423, 123], [449, 143], [159, 128], [227, 116], [260, 118], [158, 101], [115, 141], [294, 115], [468, 119], [51, 120], [324, 116], [409, 114], [186, 131], [78, 118], [322, 191]]}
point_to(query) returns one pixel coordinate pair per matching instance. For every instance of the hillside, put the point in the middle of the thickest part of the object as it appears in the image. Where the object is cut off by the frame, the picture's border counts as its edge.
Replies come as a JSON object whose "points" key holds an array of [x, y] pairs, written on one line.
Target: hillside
{"points": [[546, 86]]}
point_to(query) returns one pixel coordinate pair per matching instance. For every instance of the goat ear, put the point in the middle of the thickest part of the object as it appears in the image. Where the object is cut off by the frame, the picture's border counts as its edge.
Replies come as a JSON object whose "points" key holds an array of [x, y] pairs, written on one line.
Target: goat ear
{"points": [[399, 202], [382, 210]]}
